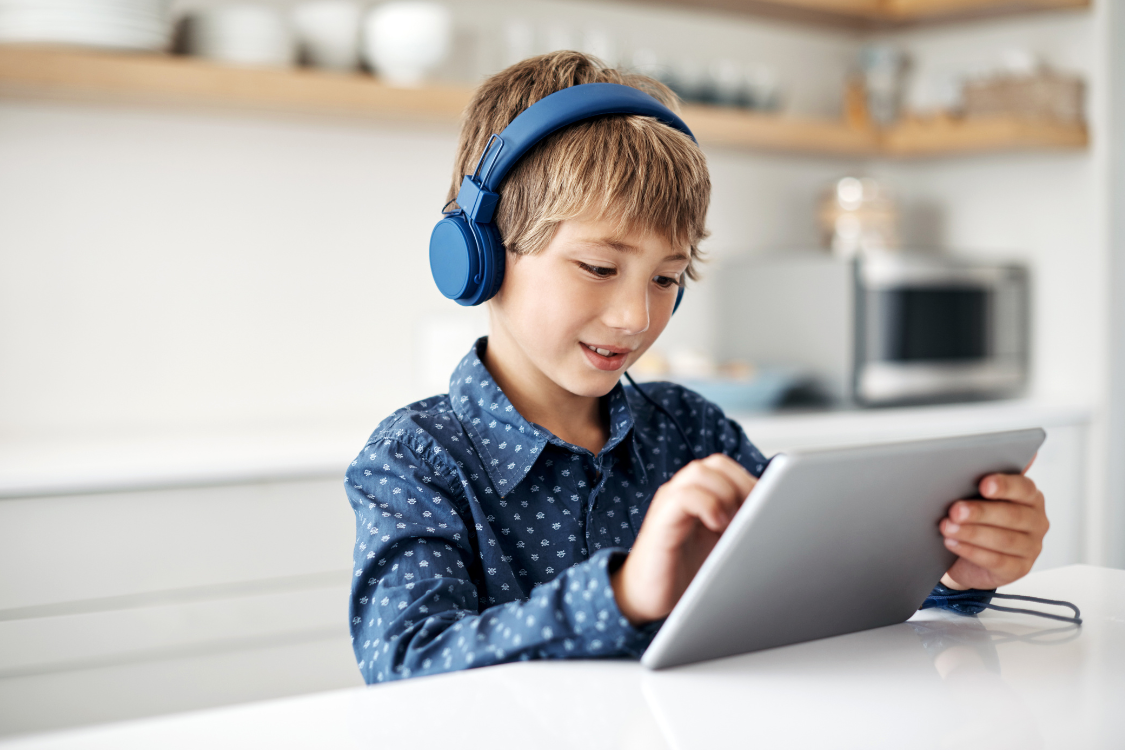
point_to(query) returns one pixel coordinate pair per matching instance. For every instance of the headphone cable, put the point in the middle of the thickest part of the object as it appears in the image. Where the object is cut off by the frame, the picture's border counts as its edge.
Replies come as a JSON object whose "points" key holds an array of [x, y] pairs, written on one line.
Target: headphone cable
{"points": [[665, 412]]}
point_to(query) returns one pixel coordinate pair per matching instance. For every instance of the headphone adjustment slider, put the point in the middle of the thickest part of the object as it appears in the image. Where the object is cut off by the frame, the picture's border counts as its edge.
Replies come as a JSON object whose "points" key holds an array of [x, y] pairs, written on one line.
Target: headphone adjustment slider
{"points": [[477, 202]]}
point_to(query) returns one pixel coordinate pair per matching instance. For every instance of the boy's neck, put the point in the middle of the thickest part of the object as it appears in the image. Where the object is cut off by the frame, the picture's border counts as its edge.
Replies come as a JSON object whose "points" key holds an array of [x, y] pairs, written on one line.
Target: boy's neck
{"points": [[576, 419]]}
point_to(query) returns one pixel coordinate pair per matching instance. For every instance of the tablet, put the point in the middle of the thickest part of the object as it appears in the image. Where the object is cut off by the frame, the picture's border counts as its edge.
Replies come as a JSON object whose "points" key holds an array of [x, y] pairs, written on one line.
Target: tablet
{"points": [[831, 542]]}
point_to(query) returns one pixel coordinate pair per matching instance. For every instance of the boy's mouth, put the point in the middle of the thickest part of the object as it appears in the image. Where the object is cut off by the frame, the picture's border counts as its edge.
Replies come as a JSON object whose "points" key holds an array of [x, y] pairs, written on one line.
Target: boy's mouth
{"points": [[605, 358]]}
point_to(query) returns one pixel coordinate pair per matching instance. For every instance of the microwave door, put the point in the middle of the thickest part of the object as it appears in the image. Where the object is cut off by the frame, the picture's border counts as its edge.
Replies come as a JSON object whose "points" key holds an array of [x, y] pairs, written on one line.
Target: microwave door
{"points": [[934, 340], [931, 324]]}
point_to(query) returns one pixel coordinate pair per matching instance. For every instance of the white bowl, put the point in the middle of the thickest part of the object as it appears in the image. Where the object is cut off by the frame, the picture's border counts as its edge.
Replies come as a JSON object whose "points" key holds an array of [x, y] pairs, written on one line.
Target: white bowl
{"points": [[328, 33], [406, 39]]}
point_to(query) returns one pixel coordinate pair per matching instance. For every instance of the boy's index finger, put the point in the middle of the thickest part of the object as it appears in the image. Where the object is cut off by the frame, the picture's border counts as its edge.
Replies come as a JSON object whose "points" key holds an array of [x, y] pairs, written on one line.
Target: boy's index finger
{"points": [[734, 471], [1014, 487]]}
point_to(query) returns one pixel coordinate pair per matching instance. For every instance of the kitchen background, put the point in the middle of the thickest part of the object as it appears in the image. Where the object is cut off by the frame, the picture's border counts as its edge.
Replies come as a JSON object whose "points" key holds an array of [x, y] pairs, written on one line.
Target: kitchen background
{"points": [[214, 284]]}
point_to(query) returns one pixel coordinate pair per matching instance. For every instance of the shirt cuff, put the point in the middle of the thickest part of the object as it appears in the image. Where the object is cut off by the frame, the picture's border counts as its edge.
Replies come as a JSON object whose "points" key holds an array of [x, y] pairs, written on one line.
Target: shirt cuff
{"points": [[970, 602], [627, 640]]}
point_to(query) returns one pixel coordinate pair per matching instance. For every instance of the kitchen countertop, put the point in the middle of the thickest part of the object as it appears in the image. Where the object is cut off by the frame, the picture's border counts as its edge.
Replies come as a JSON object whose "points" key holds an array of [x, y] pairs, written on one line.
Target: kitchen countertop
{"points": [[78, 464], [940, 680], [81, 464], [775, 431]]}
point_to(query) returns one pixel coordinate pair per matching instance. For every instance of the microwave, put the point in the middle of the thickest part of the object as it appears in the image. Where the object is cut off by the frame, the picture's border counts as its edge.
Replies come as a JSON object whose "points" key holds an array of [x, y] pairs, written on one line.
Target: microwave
{"points": [[879, 329]]}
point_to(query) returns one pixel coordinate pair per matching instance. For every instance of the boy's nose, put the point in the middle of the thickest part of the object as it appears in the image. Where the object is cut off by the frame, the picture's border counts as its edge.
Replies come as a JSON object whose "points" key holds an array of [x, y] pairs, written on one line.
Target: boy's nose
{"points": [[629, 311]]}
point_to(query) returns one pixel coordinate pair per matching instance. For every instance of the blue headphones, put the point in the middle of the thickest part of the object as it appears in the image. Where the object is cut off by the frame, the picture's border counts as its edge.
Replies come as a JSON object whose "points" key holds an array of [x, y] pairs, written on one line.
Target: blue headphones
{"points": [[466, 254]]}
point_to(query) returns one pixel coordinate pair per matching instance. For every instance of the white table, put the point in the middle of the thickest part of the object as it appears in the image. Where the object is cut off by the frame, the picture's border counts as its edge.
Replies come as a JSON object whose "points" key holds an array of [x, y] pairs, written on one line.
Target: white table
{"points": [[940, 680]]}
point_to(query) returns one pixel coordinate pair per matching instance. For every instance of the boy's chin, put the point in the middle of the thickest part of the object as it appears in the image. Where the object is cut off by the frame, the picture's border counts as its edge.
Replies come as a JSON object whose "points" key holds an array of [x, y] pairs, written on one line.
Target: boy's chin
{"points": [[592, 384]]}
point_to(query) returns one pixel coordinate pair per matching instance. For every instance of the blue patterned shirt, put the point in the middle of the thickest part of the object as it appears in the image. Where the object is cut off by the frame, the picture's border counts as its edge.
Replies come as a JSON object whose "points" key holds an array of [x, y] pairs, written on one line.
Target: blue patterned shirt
{"points": [[482, 538]]}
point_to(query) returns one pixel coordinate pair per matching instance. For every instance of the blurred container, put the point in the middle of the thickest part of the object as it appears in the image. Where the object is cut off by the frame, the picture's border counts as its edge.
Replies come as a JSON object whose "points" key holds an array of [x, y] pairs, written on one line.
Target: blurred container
{"points": [[858, 214], [690, 80], [736, 386], [729, 86], [763, 89], [328, 33], [884, 71], [722, 82], [240, 34], [936, 92], [404, 41], [766, 389], [1043, 95], [684, 363], [109, 24], [855, 103]]}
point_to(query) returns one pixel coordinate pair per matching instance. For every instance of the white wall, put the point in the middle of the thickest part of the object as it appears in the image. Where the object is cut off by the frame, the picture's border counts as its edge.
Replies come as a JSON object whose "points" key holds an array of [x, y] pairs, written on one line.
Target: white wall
{"points": [[168, 273], [1114, 523], [165, 271], [1048, 209], [1051, 210]]}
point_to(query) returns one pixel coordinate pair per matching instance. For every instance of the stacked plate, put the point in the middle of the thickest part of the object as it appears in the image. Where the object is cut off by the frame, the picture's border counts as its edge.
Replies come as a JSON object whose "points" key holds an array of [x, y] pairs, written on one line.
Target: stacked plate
{"points": [[115, 24], [243, 34]]}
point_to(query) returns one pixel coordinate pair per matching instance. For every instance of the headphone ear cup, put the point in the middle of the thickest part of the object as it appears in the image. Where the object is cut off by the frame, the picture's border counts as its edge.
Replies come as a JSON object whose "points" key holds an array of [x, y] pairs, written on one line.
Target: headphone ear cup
{"points": [[493, 257], [679, 298], [455, 257]]}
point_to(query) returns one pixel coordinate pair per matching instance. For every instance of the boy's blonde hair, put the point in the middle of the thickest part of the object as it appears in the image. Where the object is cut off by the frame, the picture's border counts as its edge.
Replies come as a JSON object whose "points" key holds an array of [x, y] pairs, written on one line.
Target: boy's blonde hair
{"points": [[633, 170]]}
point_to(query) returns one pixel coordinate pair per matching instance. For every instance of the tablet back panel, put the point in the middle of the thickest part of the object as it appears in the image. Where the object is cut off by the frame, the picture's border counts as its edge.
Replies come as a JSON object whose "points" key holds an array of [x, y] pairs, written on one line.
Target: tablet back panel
{"points": [[831, 542]]}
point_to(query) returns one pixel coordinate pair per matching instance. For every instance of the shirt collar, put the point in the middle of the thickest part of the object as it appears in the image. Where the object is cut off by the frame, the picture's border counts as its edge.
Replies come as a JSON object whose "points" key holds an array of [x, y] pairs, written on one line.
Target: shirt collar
{"points": [[508, 444]]}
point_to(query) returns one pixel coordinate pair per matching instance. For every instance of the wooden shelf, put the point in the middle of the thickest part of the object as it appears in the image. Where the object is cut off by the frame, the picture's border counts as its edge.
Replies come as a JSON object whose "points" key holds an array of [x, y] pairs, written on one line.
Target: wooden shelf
{"points": [[946, 136], [176, 81], [164, 79], [880, 13], [741, 129], [934, 10]]}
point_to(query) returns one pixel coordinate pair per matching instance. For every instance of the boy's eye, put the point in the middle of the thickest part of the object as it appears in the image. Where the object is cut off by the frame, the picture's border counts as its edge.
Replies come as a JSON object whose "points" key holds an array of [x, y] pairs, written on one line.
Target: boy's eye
{"points": [[666, 281], [599, 271]]}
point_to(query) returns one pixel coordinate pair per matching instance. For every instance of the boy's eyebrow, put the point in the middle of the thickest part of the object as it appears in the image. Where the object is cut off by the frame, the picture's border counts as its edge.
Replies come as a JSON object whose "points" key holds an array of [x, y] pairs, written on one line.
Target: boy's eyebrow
{"points": [[628, 249]]}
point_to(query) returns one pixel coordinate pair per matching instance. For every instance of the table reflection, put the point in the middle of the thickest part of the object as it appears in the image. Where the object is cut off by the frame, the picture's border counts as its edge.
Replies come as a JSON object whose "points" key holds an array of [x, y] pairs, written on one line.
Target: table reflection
{"points": [[936, 681]]}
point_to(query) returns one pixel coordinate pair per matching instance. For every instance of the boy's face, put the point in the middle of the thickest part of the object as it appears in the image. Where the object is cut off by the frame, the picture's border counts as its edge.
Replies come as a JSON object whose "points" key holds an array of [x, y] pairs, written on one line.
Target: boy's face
{"points": [[590, 289]]}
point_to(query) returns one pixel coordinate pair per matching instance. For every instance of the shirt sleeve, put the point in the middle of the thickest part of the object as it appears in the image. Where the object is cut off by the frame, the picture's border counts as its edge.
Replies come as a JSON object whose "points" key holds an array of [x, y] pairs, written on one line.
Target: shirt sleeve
{"points": [[732, 441], [416, 607]]}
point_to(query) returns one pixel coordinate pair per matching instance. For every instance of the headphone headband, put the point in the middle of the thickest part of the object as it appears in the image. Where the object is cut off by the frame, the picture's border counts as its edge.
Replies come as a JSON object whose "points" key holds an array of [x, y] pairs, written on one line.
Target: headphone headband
{"points": [[560, 109], [466, 255]]}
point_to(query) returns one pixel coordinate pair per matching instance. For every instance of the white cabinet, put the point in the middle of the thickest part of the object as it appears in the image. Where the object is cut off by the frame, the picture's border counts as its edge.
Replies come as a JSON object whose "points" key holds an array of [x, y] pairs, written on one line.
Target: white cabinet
{"points": [[120, 604], [116, 605], [116, 544]]}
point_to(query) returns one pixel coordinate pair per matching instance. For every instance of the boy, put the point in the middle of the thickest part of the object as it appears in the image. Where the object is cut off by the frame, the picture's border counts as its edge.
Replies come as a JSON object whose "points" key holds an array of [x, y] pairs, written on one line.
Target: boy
{"points": [[503, 521]]}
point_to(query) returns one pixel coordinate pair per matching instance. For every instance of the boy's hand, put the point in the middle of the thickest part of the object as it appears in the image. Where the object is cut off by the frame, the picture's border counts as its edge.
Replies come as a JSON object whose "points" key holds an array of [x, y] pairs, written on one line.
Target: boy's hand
{"points": [[687, 516], [996, 539]]}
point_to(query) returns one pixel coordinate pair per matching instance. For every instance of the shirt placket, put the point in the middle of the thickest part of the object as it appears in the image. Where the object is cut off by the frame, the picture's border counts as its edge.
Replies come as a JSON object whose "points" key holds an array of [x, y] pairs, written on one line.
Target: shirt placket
{"points": [[598, 470], [595, 472]]}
